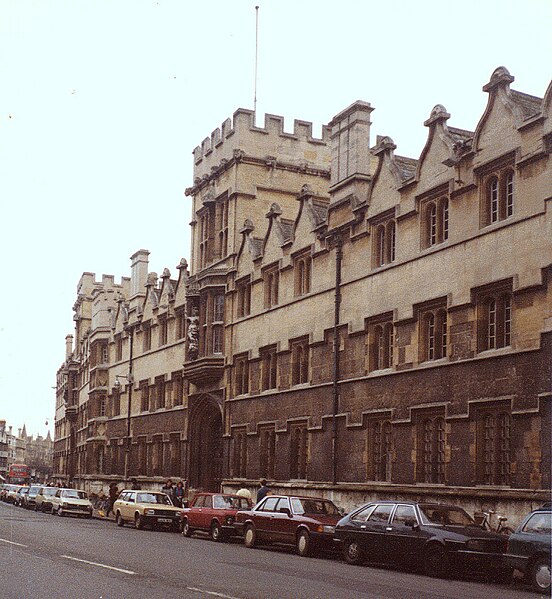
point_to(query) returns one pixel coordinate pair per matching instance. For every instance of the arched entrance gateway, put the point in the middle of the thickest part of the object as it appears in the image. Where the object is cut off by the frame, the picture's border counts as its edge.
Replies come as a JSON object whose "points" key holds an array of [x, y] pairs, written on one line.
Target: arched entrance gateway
{"points": [[205, 437]]}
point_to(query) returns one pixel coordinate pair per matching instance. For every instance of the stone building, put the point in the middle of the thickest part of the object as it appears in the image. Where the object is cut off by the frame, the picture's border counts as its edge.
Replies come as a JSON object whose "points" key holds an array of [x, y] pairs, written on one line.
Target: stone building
{"points": [[355, 323]]}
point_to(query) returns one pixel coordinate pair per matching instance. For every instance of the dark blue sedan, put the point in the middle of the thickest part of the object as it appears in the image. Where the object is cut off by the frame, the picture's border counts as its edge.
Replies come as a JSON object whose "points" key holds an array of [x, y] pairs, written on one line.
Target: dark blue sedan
{"points": [[529, 548], [438, 538]]}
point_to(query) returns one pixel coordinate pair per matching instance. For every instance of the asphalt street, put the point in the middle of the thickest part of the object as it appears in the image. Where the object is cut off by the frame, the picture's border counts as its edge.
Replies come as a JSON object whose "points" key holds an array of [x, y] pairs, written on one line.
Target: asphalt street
{"points": [[48, 557]]}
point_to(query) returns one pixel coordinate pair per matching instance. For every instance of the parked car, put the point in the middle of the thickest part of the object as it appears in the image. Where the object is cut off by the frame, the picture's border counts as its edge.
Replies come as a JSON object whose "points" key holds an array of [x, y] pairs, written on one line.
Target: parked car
{"points": [[439, 538], [213, 512], [306, 522], [12, 492], [71, 501], [529, 548], [146, 508], [4, 491], [29, 500], [43, 500], [20, 495]]}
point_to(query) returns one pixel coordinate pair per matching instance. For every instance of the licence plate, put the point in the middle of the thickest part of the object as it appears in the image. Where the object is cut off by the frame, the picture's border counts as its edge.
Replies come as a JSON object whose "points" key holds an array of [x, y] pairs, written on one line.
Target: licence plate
{"points": [[164, 520]]}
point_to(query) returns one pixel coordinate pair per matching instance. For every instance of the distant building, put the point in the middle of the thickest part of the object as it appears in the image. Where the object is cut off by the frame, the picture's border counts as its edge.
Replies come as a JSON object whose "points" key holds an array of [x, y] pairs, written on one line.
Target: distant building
{"points": [[3, 449], [355, 323]]}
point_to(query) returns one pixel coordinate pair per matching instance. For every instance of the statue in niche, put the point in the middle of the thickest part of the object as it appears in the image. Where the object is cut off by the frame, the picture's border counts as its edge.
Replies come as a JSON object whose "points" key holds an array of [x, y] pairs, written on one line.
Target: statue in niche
{"points": [[193, 334]]}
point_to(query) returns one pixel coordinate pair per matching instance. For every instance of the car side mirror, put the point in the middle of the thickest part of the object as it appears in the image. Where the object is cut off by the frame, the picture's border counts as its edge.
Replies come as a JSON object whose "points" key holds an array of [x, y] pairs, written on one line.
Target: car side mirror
{"points": [[285, 510]]}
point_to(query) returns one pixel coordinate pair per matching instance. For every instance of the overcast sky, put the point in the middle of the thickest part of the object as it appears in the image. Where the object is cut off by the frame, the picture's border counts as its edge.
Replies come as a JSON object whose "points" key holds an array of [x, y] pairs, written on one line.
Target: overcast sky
{"points": [[102, 103]]}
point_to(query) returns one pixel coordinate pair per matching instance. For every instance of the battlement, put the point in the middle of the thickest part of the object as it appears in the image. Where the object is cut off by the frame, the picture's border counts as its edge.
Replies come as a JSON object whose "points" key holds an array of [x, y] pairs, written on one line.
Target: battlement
{"points": [[88, 285], [240, 133]]}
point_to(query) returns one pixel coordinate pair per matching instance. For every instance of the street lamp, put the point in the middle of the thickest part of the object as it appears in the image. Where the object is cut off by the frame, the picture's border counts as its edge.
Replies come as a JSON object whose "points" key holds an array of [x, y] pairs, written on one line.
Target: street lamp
{"points": [[130, 380]]}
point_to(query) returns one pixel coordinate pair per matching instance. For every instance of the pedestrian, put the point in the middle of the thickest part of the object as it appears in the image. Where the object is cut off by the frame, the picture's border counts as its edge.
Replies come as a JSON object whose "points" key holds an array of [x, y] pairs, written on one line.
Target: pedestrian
{"points": [[168, 489], [134, 484], [179, 494], [263, 491], [113, 494], [243, 492]]}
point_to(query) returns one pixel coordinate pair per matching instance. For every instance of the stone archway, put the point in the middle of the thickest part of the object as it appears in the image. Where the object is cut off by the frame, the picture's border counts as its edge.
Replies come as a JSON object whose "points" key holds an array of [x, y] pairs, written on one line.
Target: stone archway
{"points": [[205, 437]]}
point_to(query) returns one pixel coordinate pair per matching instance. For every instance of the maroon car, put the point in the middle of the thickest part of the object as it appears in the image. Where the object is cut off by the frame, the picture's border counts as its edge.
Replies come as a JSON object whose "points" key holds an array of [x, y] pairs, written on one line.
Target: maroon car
{"points": [[306, 522], [214, 513]]}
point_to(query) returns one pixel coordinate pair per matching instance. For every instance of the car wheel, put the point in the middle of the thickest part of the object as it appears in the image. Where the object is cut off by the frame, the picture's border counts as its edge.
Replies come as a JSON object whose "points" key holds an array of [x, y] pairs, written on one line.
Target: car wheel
{"points": [[303, 544], [540, 575], [60, 512], [352, 552], [138, 522], [186, 529], [119, 520], [216, 532], [250, 536], [435, 561], [36, 508]]}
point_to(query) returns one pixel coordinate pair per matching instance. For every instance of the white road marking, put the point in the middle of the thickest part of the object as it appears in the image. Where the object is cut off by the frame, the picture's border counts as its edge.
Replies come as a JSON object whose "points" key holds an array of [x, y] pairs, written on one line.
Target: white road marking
{"points": [[84, 561], [12, 543], [211, 593]]}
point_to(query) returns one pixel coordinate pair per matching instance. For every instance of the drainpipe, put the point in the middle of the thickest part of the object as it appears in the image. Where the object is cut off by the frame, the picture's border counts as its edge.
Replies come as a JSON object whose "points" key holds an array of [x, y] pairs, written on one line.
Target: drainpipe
{"points": [[338, 242]]}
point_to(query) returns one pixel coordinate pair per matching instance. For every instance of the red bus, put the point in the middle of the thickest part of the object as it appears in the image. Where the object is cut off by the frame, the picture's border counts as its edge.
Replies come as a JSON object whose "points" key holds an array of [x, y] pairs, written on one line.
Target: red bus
{"points": [[19, 474]]}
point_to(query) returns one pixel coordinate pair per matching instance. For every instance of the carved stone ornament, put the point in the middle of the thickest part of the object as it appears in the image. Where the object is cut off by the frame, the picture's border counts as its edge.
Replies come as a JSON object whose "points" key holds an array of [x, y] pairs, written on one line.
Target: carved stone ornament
{"points": [[193, 334]]}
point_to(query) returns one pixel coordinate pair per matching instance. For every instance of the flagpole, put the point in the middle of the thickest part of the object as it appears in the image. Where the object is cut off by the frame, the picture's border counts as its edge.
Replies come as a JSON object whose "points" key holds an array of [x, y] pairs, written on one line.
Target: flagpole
{"points": [[256, 60]]}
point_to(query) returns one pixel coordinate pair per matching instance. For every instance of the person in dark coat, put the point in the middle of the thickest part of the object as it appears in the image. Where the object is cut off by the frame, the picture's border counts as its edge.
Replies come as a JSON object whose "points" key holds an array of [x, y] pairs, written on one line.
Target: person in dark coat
{"points": [[168, 489], [179, 494], [263, 491], [113, 494]]}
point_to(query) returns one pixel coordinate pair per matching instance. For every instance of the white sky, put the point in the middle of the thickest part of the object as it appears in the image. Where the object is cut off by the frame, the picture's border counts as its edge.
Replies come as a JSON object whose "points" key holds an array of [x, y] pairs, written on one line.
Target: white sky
{"points": [[102, 103]]}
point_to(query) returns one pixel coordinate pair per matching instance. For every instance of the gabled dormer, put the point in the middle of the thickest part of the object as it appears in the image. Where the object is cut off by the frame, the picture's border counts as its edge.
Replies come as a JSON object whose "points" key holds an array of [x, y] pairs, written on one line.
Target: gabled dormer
{"points": [[444, 147]]}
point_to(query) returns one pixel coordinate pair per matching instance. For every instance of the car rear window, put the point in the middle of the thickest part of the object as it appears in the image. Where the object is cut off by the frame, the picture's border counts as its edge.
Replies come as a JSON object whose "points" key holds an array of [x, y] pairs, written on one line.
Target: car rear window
{"points": [[539, 524]]}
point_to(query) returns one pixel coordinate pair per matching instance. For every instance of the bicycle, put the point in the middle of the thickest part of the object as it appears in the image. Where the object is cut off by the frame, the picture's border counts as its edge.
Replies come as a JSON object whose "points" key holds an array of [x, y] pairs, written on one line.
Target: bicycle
{"points": [[484, 520]]}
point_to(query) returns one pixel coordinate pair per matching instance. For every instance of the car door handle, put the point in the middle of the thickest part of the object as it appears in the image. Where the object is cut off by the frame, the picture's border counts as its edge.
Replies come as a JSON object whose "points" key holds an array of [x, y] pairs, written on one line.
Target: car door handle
{"points": [[388, 528], [363, 526]]}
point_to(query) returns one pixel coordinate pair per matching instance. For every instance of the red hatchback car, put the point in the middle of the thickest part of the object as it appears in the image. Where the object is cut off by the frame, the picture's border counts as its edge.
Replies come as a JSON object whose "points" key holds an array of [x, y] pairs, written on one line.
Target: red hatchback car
{"points": [[306, 522], [214, 513]]}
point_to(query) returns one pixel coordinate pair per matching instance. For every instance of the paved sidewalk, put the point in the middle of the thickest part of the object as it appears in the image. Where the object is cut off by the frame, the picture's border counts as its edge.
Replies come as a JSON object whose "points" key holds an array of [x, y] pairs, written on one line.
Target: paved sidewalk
{"points": [[99, 514]]}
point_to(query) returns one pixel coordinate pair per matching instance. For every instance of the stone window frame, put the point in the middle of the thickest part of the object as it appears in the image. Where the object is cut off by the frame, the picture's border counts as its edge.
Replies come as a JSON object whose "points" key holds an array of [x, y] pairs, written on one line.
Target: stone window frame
{"points": [[241, 374], [494, 315], [435, 221], [146, 336], [493, 445], [384, 238], [433, 334], [163, 329], [300, 361], [269, 367], [380, 436], [239, 452], [116, 402], [299, 450], [497, 185], [267, 451], [381, 342], [302, 273], [177, 388], [180, 315], [431, 431], [271, 284], [243, 290], [159, 392], [118, 347], [144, 395]]}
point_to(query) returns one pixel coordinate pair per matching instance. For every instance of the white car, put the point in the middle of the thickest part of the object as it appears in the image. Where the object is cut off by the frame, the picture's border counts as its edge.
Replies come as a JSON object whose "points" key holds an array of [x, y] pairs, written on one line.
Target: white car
{"points": [[71, 501]]}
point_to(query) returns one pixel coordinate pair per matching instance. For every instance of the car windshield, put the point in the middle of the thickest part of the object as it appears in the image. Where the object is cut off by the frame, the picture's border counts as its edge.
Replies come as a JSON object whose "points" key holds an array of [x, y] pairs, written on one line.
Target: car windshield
{"points": [[73, 494], [49, 491], [445, 516], [153, 498], [230, 503], [314, 506]]}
